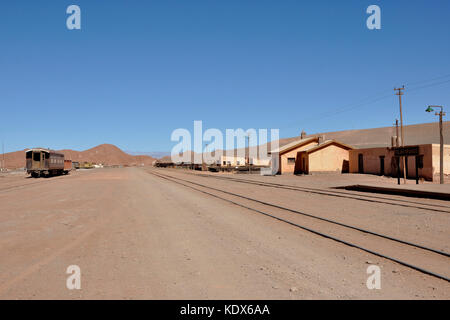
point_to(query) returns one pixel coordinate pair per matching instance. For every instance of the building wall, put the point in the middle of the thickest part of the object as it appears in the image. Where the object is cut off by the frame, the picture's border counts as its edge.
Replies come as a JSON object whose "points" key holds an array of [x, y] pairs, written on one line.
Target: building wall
{"points": [[286, 167], [232, 161], [436, 159], [371, 161], [328, 159], [260, 162], [371, 158]]}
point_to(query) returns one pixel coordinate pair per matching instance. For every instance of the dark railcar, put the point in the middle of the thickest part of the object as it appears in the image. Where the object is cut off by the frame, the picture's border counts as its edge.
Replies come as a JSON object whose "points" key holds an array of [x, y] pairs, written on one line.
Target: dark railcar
{"points": [[45, 163]]}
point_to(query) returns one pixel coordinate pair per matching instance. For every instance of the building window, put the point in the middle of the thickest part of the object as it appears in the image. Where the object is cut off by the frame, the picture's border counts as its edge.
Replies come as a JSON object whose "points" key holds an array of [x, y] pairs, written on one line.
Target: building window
{"points": [[291, 160]]}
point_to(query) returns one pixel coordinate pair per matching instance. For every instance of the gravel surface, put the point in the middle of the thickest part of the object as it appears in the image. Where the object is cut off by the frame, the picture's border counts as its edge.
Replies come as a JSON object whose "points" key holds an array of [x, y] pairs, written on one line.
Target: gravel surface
{"points": [[137, 236]]}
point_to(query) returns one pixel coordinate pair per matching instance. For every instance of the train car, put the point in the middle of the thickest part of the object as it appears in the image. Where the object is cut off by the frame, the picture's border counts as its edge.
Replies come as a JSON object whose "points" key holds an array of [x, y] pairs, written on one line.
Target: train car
{"points": [[44, 163], [67, 166]]}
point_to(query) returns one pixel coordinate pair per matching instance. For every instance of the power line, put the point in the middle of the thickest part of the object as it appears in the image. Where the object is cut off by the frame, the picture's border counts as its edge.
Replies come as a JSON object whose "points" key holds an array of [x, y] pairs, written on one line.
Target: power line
{"points": [[430, 85], [423, 81], [371, 99]]}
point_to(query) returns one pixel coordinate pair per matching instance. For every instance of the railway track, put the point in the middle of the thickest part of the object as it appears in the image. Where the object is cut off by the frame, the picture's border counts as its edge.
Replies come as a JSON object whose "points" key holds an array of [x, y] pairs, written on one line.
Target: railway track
{"points": [[335, 193], [19, 186], [38, 181], [430, 261]]}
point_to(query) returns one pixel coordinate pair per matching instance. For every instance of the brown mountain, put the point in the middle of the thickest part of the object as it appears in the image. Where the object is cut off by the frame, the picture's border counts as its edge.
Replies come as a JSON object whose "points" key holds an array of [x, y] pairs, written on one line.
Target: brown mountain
{"points": [[107, 154], [111, 155], [422, 133]]}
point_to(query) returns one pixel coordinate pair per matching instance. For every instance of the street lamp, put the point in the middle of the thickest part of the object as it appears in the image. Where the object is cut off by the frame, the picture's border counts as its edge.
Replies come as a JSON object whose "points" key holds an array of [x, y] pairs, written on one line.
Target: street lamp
{"points": [[440, 114]]}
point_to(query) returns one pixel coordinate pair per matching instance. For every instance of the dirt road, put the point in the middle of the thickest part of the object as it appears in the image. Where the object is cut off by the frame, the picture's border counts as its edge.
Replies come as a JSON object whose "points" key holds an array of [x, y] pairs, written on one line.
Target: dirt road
{"points": [[137, 236]]}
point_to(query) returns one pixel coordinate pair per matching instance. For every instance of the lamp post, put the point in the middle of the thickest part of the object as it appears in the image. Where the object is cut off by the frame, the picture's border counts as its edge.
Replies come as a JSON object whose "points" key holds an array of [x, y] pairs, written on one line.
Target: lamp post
{"points": [[441, 164]]}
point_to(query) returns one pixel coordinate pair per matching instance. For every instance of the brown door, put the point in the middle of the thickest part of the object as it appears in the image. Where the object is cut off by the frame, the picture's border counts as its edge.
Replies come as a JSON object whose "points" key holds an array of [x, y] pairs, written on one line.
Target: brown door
{"points": [[360, 163], [300, 163], [381, 165], [36, 160], [305, 164]]}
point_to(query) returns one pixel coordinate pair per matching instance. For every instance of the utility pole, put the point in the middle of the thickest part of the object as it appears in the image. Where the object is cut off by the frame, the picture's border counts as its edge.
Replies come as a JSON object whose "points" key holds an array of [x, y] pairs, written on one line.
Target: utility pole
{"points": [[396, 142], [441, 136], [399, 94]]}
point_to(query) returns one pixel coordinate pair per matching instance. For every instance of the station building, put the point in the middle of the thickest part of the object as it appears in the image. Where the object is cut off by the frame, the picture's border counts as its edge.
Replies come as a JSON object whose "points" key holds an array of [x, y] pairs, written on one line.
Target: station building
{"points": [[423, 161], [312, 155]]}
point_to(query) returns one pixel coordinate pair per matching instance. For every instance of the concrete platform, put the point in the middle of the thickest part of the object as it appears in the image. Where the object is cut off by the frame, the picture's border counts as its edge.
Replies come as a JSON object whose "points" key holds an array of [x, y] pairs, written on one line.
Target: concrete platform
{"points": [[429, 191]]}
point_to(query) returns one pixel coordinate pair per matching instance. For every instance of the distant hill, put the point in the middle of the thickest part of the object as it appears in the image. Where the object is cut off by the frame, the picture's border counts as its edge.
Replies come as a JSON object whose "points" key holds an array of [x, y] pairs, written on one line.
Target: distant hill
{"points": [[364, 138], [107, 154], [153, 154], [423, 133]]}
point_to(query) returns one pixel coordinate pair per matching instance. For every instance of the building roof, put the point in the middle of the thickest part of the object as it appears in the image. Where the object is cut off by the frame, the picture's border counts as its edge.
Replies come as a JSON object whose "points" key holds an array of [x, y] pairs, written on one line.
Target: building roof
{"points": [[327, 143], [293, 145]]}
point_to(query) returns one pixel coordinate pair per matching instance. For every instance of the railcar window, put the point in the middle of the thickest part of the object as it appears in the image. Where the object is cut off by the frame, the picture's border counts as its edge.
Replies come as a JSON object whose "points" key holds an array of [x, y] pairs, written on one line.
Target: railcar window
{"points": [[36, 156], [28, 155]]}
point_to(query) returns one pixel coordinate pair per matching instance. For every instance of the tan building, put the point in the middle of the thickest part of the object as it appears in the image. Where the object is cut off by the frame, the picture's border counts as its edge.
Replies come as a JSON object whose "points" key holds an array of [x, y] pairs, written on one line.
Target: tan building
{"points": [[231, 161], [329, 156], [310, 155], [260, 162], [384, 161]]}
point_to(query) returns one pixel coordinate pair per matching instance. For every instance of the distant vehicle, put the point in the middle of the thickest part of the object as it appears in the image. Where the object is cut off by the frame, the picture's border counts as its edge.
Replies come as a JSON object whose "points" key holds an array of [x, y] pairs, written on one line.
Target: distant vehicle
{"points": [[85, 165], [45, 163]]}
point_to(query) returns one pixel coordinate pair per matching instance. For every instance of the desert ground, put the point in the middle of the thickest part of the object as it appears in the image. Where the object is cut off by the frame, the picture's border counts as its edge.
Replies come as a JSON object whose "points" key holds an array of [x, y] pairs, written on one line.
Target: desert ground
{"points": [[146, 233]]}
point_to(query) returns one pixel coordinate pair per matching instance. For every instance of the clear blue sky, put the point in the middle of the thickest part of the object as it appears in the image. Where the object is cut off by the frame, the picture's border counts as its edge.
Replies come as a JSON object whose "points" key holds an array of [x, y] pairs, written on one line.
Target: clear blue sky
{"points": [[139, 69]]}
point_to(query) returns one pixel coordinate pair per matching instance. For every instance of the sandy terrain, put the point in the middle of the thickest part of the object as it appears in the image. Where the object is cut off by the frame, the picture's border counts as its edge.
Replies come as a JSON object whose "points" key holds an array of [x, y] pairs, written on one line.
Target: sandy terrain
{"points": [[137, 236], [105, 153]]}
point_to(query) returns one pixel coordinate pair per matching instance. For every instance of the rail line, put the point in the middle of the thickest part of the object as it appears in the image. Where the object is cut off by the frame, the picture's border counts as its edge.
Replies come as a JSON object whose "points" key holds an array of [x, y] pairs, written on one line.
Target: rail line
{"points": [[439, 253], [24, 185], [39, 181], [333, 193]]}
